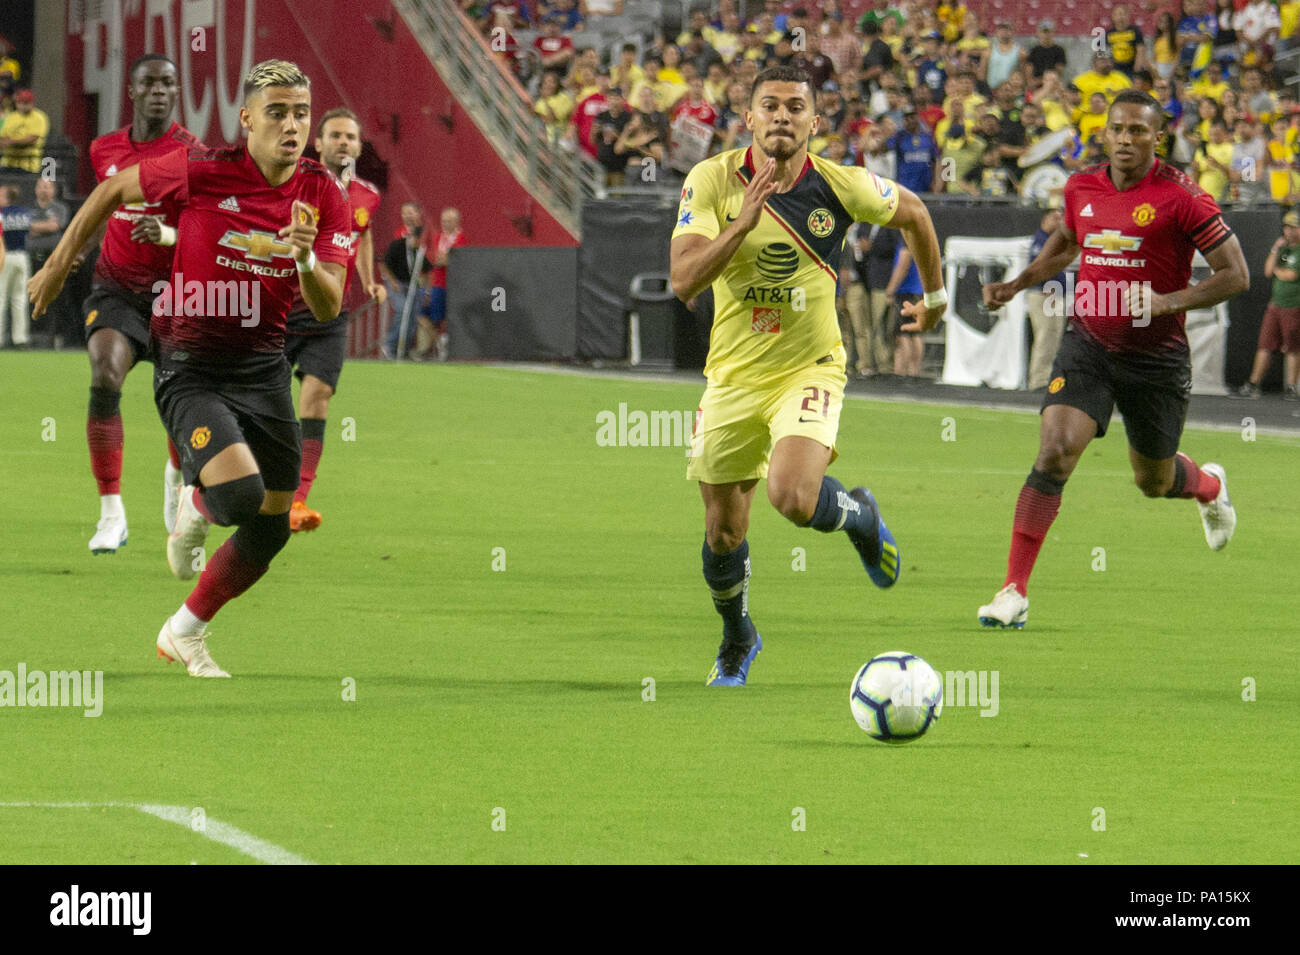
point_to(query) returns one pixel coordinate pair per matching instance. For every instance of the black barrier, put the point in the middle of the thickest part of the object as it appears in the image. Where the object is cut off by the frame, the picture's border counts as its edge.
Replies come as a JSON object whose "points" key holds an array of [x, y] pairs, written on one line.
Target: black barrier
{"points": [[624, 237], [530, 304], [512, 304]]}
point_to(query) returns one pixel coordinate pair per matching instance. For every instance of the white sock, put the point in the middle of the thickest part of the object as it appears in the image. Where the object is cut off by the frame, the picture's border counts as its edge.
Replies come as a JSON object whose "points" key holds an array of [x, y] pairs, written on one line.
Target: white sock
{"points": [[173, 473], [110, 505], [185, 624]]}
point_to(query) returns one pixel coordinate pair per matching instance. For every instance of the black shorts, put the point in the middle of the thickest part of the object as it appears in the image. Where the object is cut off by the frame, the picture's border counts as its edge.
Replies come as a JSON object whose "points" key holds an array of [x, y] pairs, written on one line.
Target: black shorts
{"points": [[128, 312], [319, 352], [208, 407], [1151, 390]]}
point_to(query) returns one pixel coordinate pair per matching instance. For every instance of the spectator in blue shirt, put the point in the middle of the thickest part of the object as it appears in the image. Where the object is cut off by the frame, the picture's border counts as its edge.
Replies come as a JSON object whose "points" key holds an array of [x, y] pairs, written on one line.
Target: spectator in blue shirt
{"points": [[916, 152], [1197, 24], [932, 69], [905, 287]]}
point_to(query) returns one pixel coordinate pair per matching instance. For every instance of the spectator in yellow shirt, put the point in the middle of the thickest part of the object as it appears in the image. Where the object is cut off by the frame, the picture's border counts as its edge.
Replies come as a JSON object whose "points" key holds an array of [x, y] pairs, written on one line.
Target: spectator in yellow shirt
{"points": [[975, 45], [1283, 177], [625, 74], [1289, 13], [1050, 95], [952, 15], [1213, 161], [1094, 121], [553, 105], [22, 134], [1102, 78], [1211, 83], [672, 60]]}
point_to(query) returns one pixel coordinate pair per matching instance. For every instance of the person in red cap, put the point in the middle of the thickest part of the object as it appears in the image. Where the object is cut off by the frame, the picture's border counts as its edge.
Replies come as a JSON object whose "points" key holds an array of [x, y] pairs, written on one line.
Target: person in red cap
{"points": [[22, 134]]}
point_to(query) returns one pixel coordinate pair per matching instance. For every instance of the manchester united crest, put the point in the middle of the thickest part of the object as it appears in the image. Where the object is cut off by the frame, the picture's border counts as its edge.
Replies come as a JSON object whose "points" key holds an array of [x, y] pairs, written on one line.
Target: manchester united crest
{"points": [[361, 217], [821, 223], [200, 438], [1144, 214]]}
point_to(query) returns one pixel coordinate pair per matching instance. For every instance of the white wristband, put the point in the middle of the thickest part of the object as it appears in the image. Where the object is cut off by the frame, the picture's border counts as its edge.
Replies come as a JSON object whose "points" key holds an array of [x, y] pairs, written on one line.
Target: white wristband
{"points": [[168, 236], [308, 265], [936, 299]]}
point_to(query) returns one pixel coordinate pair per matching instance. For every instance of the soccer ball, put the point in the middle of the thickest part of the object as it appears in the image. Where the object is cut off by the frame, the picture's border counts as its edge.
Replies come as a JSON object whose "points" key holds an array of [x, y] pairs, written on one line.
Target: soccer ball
{"points": [[896, 696]]}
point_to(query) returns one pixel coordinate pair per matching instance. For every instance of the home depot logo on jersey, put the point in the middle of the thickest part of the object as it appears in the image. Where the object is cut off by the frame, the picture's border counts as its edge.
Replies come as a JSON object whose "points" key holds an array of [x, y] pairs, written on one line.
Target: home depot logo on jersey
{"points": [[765, 320]]}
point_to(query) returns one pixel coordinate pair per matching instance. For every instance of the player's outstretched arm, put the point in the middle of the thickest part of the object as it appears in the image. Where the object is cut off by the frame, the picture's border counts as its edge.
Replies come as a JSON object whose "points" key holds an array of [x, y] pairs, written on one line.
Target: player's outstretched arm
{"points": [[912, 219], [1231, 276], [696, 260], [1058, 252], [44, 287]]}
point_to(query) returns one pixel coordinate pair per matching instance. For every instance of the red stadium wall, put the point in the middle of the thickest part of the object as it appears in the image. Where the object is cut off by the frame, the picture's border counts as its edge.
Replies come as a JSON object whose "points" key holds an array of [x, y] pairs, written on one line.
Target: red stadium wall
{"points": [[342, 45]]}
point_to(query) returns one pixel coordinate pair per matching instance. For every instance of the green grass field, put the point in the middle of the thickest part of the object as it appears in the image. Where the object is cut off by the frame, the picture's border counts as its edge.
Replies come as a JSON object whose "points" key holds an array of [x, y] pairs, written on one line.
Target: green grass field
{"points": [[515, 696]]}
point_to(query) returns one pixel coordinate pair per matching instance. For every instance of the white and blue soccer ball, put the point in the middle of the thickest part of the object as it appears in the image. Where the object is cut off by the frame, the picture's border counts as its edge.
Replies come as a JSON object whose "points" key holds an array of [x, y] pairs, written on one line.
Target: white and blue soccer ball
{"points": [[896, 697]]}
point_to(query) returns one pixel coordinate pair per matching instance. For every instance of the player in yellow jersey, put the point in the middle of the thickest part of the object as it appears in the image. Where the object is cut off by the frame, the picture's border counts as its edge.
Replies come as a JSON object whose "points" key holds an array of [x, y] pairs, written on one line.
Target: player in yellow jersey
{"points": [[765, 227]]}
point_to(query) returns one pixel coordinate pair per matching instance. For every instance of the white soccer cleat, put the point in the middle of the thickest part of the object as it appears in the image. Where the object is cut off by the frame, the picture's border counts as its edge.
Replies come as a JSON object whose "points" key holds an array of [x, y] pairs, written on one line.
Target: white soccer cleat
{"points": [[1008, 609], [1219, 517], [192, 651], [110, 534], [189, 533], [172, 482]]}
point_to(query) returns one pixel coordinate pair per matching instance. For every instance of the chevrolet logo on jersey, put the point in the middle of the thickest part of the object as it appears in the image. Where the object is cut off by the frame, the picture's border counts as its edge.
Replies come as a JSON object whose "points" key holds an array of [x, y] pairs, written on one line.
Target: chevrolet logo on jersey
{"points": [[257, 246], [1112, 240]]}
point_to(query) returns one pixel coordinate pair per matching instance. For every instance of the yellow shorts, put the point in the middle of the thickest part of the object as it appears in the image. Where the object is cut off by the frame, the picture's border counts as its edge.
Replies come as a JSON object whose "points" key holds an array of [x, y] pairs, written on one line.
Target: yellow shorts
{"points": [[736, 428]]}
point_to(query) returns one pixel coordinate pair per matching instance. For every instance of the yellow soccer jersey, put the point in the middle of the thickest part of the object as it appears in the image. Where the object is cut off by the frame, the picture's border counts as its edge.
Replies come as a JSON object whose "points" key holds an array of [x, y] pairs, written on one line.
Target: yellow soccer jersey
{"points": [[774, 303]]}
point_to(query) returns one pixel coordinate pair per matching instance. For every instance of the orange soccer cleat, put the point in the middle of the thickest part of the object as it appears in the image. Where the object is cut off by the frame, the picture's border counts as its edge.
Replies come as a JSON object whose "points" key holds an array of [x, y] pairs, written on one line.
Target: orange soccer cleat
{"points": [[303, 518]]}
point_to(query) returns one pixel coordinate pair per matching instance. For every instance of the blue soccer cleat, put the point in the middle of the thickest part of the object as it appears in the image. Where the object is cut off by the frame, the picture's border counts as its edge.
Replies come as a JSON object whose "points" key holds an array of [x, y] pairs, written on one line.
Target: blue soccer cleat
{"points": [[732, 665], [879, 553]]}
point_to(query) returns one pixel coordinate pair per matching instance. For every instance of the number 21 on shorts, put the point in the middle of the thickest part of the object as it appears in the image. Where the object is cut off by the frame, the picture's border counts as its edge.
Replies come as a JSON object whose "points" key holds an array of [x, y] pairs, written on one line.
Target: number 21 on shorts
{"points": [[814, 396]]}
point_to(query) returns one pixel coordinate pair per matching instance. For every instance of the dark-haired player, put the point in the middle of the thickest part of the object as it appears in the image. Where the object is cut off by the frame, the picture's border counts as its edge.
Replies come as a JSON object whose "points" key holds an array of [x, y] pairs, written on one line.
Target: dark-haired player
{"points": [[318, 348], [1137, 222], [260, 222], [765, 226], [135, 255]]}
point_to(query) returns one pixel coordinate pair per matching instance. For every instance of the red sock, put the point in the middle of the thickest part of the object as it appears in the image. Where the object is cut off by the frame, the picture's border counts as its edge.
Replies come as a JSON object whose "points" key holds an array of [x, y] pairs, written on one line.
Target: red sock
{"points": [[311, 451], [227, 575], [172, 453], [201, 506], [1036, 508], [104, 436], [1196, 483]]}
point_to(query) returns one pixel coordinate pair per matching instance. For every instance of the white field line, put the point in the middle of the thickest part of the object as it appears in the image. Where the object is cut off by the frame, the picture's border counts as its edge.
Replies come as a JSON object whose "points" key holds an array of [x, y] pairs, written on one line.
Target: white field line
{"points": [[213, 829]]}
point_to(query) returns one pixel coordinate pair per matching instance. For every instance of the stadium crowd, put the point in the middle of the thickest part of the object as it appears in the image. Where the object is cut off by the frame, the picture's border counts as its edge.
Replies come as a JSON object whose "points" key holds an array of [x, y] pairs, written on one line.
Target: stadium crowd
{"points": [[922, 90]]}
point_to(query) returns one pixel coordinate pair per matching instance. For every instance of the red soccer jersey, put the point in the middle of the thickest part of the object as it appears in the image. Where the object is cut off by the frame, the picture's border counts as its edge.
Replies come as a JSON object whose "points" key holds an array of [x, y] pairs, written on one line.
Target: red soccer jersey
{"points": [[550, 45], [363, 200], [705, 113], [122, 260], [1147, 233], [443, 242], [583, 118], [229, 224]]}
